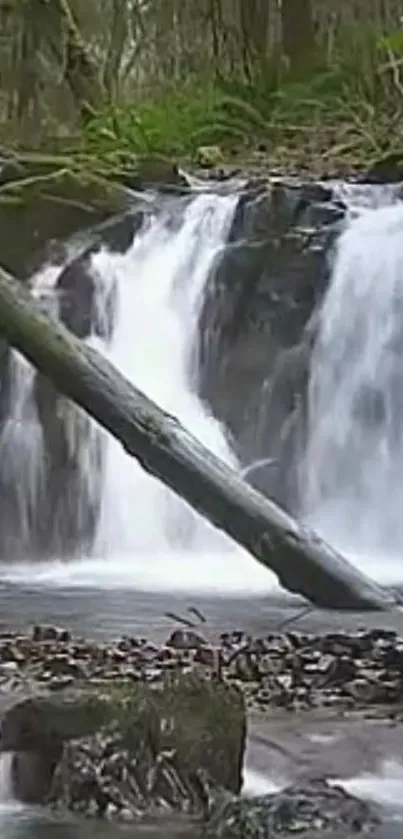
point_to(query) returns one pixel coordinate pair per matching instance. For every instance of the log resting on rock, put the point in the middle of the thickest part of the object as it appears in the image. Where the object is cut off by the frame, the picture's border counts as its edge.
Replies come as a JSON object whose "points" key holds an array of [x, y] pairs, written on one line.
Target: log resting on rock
{"points": [[302, 562]]}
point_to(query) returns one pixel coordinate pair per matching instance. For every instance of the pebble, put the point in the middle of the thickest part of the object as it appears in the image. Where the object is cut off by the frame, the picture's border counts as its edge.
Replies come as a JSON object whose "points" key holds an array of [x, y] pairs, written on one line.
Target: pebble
{"points": [[291, 670]]}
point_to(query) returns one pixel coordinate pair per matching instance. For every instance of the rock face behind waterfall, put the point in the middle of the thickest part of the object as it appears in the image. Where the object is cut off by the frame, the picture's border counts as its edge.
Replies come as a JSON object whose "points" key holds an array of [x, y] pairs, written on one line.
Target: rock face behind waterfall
{"points": [[256, 330], [59, 515], [258, 324]]}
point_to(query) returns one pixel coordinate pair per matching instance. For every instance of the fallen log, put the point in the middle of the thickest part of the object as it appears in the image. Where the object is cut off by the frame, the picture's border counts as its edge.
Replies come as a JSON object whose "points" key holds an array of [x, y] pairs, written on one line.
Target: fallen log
{"points": [[303, 563]]}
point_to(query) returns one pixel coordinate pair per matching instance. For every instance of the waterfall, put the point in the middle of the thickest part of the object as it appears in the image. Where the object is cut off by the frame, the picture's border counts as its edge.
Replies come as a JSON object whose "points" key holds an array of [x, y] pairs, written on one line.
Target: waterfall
{"points": [[9, 806], [6, 785], [351, 486], [161, 281], [146, 536]]}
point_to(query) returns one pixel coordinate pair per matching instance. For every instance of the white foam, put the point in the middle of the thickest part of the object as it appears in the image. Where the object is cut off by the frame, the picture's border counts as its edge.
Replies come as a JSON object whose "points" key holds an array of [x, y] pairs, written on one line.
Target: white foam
{"points": [[8, 804], [352, 474], [384, 787], [257, 783]]}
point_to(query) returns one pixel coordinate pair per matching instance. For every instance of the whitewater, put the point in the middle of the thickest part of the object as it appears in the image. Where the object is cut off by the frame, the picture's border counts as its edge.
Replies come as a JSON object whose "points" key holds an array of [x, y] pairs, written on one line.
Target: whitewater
{"points": [[147, 537]]}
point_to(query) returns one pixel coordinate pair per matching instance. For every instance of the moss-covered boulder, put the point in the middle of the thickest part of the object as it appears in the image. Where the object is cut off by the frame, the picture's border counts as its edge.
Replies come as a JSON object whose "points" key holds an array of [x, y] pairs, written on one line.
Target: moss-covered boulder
{"points": [[127, 748], [49, 197]]}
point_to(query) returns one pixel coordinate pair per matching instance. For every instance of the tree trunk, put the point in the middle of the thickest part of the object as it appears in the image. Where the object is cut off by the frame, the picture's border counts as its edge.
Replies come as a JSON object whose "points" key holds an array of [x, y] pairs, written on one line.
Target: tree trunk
{"points": [[80, 70], [302, 562], [254, 19], [298, 34], [116, 47]]}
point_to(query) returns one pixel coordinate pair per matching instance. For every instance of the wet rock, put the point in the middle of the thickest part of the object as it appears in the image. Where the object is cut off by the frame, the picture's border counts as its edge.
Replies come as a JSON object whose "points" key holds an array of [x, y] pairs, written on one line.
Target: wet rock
{"points": [[308, 808], [135, 746], [85, 307], [156, 173], [40, 203], [387, 170], [256, 325], [31, 776], [5, 382], [185, 639], [42, 633], [65, 509], [98, 775]]}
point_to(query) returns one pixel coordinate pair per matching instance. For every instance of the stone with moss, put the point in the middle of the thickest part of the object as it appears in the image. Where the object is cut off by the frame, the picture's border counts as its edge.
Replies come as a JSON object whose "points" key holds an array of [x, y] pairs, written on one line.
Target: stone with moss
{"points": [[209, 156], [50, 197], [47, 199], [127, 747]]}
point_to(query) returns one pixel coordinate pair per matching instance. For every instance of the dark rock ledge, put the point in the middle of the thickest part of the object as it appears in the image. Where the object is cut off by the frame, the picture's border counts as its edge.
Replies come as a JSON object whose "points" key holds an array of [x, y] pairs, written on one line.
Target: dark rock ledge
{"points": [[131, 729]]}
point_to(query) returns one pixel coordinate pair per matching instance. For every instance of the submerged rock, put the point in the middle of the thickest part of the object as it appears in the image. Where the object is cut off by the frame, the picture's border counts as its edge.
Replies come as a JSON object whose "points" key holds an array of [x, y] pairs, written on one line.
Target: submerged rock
{"points": [[127, 748]]}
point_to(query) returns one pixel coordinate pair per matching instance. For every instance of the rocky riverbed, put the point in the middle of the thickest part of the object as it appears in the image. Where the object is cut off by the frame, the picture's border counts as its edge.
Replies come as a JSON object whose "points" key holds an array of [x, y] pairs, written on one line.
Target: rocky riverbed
{"points": [[95, 762], [292, 670]]}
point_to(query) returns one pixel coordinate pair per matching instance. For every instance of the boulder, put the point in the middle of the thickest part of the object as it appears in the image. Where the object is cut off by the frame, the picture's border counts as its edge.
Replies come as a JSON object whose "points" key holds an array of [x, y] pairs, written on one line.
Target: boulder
{"points": [[127, 748], [50, 197], [84, 305], [42, 200], [314, 806], [257, 323]]}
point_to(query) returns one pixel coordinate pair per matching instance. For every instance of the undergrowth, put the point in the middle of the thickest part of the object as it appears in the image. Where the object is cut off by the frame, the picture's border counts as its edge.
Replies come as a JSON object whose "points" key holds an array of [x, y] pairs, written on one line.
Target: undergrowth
{"points": [[349, 113], [344, 115]]}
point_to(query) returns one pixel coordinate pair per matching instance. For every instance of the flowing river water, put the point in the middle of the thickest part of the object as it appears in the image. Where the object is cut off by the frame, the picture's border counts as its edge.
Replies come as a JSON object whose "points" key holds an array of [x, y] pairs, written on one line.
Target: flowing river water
{"points": [[152, 553]]}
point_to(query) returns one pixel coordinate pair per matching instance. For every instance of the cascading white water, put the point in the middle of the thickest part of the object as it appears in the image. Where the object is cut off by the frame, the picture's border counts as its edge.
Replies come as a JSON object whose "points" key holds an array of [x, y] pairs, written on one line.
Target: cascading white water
{"points": [[6, 786], [352, 475], [161, 281], [148, 537], [152, 535]]}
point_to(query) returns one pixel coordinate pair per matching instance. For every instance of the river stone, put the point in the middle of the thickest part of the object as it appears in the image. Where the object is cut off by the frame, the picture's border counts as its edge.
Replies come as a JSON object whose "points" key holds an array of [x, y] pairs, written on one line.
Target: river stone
{"points": [[307, 808], [130, 745]]}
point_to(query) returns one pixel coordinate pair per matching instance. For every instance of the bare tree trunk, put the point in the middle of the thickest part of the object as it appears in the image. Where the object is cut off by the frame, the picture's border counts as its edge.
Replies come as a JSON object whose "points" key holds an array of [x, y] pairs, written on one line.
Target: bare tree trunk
{"points": [[81, 72], [298, 34], [117, 42], [166, 450], [254, 18]]}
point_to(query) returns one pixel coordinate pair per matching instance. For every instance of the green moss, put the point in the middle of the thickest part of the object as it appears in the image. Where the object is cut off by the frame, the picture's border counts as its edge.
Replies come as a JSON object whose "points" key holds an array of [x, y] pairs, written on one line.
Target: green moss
{"points": [[202, 720]]}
